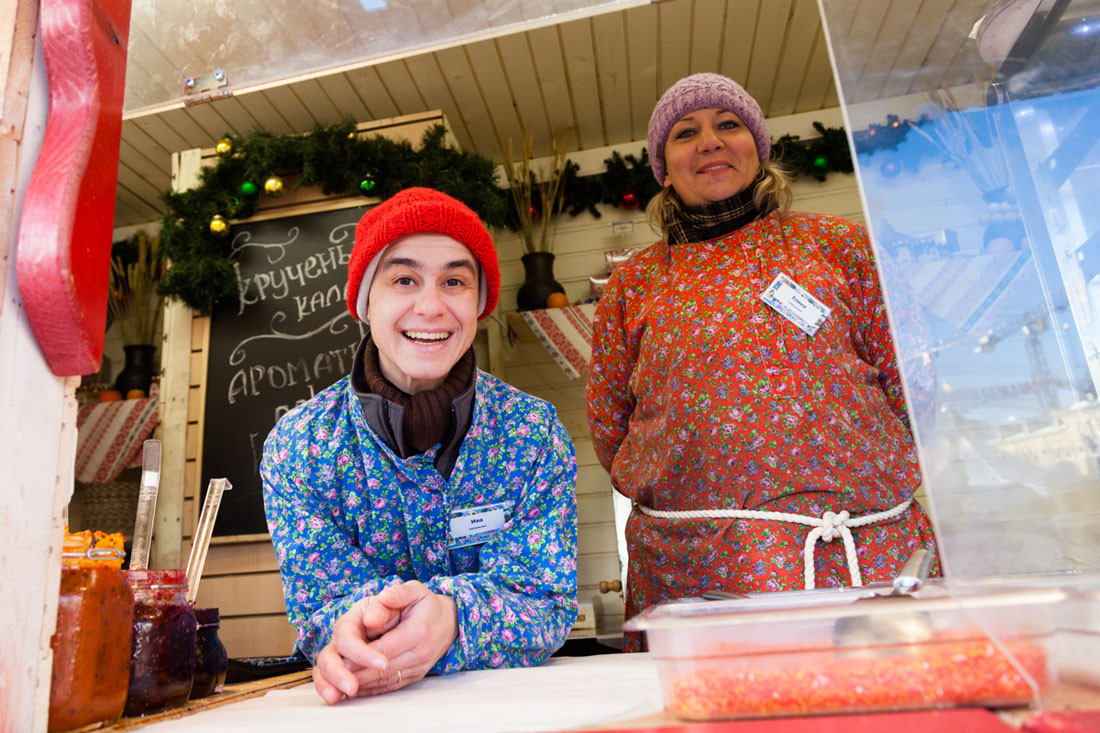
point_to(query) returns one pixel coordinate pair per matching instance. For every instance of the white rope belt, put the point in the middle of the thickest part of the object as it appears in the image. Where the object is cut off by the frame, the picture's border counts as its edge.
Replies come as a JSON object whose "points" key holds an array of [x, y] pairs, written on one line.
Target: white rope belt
{"points": [[830, 526]]}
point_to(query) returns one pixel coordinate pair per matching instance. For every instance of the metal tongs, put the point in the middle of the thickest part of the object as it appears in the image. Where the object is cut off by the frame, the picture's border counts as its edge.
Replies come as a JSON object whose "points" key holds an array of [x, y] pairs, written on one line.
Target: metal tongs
{"points": [[200, 543], [147, 504]]}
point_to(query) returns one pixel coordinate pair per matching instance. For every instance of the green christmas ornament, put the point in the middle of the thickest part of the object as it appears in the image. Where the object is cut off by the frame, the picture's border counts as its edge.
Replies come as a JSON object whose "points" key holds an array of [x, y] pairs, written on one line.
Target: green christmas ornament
{"points": [[249, 189], [821, 165], [367, 184]]}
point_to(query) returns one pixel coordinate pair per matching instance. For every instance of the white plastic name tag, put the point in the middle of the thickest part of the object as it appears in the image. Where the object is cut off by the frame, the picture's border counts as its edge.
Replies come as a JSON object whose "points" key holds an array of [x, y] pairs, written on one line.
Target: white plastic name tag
{"points": [[477, 524], [794, 302]]}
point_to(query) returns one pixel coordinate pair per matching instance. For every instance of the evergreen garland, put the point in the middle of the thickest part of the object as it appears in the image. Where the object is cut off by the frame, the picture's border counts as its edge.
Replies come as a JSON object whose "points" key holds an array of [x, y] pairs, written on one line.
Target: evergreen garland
{"points": [[333, 157], [342, 163], [816, 157], [627, 177]]}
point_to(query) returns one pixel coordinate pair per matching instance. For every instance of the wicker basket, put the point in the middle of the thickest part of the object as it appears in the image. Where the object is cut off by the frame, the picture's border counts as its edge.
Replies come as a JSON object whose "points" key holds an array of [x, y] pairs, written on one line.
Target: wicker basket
{"points": [[110, 506]]}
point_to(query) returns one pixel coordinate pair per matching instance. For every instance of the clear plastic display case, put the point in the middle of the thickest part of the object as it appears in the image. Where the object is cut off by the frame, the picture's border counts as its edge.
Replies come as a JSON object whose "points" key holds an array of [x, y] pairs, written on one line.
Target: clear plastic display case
{"points": [[984, 205], [978, 157]]}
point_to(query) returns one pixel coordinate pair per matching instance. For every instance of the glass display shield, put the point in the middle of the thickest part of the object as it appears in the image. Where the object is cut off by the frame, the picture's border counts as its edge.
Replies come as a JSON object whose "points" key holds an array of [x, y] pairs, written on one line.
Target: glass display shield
{"points": [[975, 128], [183, 49]]}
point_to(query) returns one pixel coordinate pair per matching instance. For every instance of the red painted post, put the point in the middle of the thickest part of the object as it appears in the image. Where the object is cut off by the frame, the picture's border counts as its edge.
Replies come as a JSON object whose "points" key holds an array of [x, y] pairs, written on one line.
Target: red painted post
{"points": [[64, 247]]}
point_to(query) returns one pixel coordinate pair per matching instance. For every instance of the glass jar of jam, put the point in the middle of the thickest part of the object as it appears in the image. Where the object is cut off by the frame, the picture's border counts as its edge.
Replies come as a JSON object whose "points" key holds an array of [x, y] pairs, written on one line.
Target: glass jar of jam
{"points": [[163, 661], [91, 645], [211, 661]]}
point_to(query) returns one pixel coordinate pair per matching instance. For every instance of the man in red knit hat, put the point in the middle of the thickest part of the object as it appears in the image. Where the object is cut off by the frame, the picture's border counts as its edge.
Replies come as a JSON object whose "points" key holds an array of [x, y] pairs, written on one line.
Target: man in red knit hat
{"points": [[422, 511]]}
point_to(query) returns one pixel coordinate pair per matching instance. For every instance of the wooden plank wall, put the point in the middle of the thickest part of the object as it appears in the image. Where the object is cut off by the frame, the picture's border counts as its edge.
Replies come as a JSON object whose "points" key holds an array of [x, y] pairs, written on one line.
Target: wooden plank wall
{"points": [[241, 575]]}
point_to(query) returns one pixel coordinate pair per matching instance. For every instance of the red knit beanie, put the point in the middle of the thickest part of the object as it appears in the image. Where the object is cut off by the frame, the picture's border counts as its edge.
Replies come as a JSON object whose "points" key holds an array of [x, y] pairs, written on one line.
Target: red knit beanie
{"points": [[415, 211]]}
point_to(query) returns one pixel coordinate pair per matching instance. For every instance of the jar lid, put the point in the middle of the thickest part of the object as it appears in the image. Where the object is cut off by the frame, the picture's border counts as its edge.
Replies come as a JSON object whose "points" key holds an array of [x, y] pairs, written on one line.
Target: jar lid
{"points": [[89, 548], [93, 556], [207, 617]]}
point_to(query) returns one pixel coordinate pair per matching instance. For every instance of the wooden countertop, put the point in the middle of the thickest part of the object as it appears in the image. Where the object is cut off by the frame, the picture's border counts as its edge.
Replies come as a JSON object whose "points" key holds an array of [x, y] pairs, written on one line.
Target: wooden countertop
{"points": [[230, 694]]}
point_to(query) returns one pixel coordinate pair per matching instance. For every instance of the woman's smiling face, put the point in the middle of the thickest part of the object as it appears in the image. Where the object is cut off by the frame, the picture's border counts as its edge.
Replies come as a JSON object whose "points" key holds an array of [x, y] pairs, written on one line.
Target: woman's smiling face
{"points": [[709, 156]]}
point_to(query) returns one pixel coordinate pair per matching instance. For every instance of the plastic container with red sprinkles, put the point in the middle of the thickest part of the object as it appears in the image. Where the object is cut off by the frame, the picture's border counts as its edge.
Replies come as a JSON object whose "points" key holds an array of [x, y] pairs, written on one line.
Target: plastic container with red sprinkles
{"points": [[779, 654]]}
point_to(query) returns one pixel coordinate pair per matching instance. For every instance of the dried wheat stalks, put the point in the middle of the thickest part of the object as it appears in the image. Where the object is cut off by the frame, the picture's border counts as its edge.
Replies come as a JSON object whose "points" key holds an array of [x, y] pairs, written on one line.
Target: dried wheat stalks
{"points": [[133, 300], [524, 180]]}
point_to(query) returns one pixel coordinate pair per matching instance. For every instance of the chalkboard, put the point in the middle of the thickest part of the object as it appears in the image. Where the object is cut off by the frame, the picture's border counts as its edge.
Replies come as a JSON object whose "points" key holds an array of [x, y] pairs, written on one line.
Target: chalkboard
{"points": [[285, 337]]}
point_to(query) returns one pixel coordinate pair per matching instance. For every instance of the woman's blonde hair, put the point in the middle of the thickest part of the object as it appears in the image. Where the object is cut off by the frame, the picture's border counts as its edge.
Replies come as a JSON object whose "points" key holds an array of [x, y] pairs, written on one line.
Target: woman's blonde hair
{"points": [[773, 191]]}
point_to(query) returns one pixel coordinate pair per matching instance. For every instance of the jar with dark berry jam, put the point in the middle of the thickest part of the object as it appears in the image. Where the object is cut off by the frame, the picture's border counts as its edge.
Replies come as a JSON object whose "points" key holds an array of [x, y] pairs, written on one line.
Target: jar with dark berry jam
{"points": [[211, 661], [91, 646], [163, 661]]}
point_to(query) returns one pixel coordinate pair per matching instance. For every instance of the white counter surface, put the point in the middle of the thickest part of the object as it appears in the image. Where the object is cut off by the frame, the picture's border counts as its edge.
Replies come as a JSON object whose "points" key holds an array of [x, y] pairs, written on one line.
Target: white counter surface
{"points": [[566, 692]]}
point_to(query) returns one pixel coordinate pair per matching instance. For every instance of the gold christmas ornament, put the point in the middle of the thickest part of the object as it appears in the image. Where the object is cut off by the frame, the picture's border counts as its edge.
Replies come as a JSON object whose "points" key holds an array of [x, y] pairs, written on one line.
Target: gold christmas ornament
{"points": [[219, 227], [274, 187], [224, 147]]}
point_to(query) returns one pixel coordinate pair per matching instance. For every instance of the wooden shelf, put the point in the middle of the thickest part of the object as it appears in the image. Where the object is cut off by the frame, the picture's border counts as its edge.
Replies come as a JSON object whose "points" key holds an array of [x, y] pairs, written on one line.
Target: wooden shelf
{"points": [[518, 330]]}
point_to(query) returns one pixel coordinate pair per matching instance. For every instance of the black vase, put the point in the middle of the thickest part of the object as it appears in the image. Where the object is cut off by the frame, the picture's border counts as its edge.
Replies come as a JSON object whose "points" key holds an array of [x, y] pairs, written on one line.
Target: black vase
{"points": [[538, 281], [139, 369]]}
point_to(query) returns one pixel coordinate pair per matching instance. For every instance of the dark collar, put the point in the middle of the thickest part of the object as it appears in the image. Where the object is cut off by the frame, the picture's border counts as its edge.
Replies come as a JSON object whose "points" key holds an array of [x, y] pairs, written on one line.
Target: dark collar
{"points": [[387, 418]]}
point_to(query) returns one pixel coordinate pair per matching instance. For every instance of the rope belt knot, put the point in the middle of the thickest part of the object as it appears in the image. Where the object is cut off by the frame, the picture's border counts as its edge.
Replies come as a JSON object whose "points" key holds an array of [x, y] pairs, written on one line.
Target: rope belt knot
{"points": [[830, 526], [833, 525]]}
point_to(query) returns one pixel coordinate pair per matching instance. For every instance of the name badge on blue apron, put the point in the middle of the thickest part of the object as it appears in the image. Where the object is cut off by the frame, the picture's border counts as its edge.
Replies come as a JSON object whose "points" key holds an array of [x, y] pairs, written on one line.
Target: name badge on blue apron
{"points": [[477, 524], [794, 302]]}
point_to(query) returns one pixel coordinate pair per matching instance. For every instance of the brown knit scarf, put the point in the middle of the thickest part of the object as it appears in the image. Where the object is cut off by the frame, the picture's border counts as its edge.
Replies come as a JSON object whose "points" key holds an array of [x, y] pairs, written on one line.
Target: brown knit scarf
{"points": [[428, 413], [710, 221]]}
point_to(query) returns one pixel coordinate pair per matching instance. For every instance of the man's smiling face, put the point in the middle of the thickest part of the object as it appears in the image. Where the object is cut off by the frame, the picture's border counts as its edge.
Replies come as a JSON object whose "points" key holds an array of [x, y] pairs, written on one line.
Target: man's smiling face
{"points": [[422, 309]]}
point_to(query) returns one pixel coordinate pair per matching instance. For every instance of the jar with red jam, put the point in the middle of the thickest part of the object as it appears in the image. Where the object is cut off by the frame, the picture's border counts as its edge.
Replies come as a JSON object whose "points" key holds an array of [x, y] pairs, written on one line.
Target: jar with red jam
{"points": [[162, 665], [91, 645], [211, 661]]}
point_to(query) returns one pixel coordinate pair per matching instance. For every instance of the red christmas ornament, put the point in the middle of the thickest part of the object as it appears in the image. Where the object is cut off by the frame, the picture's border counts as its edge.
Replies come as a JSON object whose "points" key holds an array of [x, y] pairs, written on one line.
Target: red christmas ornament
{"points": [[629, 200], [534, 214]]}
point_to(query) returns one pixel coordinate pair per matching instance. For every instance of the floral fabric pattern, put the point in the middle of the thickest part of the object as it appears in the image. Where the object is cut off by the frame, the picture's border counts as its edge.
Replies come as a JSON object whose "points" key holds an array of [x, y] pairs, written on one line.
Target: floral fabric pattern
{"points": [[348, 518], [701, 396]]}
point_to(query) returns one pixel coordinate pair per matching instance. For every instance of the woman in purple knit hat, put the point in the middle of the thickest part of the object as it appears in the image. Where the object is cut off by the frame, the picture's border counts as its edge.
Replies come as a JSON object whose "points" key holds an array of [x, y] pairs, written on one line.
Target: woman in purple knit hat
{"points": [[744, 391]]}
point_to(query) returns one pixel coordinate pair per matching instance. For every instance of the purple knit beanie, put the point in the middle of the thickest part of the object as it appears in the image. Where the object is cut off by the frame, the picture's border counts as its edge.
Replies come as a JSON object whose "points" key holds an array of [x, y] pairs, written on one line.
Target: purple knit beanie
{"points": [[703, 91]]}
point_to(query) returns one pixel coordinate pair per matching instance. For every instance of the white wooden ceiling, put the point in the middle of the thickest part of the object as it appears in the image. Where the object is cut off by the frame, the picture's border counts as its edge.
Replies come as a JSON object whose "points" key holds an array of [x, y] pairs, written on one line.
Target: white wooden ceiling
{"points": [[590, 81]]}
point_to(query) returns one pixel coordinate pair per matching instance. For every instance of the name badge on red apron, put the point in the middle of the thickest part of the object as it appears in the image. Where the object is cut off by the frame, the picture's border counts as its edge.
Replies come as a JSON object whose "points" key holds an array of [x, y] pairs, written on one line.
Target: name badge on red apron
{"points": [[796, 304]]}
